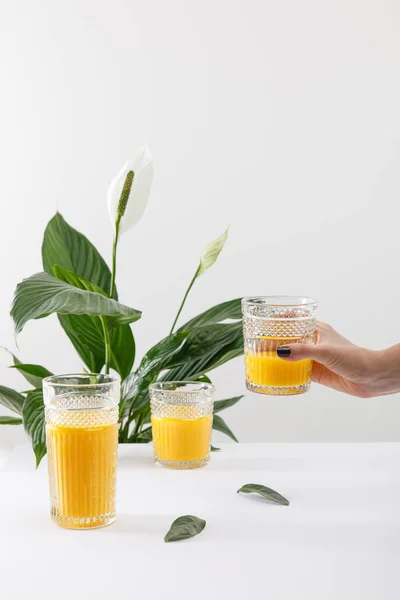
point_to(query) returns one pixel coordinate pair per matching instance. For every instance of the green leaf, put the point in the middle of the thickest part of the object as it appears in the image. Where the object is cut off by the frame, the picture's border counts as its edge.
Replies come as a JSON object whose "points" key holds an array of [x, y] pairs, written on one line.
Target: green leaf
{"points": [[41, 295], [87, 340], [34, 422], [145, 436], [71, 250], [227, 353], [10, 421], [33, 380], [221, 312], [65, 246], [122, 350], [86, 334], [11, 399], [161, 356], [121, 339], [203, 379], [33, 373], [76, 280], [135, 389], [215, 449], [211, 253], [220, 425], [205, 349], [265, 492], [184, 527], [223, 404]]}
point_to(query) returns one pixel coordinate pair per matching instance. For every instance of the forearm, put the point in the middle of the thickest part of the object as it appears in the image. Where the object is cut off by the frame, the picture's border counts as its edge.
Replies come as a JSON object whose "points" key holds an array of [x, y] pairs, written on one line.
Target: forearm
{"points": [[386, 379]]}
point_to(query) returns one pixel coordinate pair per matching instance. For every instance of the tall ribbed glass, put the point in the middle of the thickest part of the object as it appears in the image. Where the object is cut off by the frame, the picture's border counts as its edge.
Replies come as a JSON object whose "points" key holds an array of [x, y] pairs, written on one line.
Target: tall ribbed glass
{"points": [[181, 418], [269, 322], [82, 448]]}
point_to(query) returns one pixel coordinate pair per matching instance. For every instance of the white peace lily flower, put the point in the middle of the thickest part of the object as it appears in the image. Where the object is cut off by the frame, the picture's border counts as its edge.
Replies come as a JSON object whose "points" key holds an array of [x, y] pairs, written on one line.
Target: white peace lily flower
{"points": [[129, 191]]}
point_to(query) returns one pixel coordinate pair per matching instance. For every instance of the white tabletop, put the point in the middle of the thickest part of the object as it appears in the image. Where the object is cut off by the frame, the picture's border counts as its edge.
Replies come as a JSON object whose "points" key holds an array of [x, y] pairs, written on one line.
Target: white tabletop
{"points": [[339, 538]]}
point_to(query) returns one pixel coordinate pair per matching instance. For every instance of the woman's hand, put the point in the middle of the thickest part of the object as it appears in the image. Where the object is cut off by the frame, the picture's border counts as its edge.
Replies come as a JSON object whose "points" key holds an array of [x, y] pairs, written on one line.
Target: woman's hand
{"points": [[345, 367]]}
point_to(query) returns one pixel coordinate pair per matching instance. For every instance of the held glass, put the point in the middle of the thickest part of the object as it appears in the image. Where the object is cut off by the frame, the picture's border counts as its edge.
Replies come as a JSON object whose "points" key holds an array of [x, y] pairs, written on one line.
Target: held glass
{"points": [[269, 322], [82, 448], [181, 418]]}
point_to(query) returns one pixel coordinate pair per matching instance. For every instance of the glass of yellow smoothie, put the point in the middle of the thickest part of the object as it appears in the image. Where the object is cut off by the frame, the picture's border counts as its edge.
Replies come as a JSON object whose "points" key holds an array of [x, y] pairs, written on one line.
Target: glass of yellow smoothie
{"points": [[82, 448], [181, 418], [269, 322]]}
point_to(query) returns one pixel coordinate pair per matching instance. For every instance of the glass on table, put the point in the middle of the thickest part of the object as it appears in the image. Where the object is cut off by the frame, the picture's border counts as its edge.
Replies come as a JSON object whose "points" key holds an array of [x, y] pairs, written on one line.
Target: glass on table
{"points": [[270, 322], [181, 419], [82, 447]]}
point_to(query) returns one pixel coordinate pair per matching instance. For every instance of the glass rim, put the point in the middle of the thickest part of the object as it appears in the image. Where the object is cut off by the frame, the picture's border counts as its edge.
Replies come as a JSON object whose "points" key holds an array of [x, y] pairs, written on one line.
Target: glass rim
{"points": [[284, 301], [162, 386], [57, 380]]}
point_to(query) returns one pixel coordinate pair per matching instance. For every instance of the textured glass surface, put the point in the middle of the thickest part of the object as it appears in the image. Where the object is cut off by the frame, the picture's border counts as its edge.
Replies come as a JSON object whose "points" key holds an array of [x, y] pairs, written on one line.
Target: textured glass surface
{"points": [[267, 324], [82, 446], [181, 417]]}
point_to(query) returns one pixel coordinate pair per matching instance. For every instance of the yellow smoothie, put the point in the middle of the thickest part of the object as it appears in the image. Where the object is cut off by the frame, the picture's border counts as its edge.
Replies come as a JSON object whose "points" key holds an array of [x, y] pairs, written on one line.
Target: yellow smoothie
{"points": [[82, 451], [265, 368], [181, 440]]}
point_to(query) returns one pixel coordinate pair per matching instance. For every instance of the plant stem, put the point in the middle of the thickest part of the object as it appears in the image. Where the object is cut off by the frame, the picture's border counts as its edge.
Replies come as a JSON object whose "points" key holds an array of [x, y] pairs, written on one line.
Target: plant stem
{"points": [[106, 333], [183, 302], [107, 345], [137, 426], [125, 431], [114, 259]]}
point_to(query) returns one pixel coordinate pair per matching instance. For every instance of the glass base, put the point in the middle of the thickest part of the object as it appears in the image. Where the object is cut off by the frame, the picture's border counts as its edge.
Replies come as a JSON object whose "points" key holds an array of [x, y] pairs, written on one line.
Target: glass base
{"points": [[83, 522], [292, 390], [192, 464]]}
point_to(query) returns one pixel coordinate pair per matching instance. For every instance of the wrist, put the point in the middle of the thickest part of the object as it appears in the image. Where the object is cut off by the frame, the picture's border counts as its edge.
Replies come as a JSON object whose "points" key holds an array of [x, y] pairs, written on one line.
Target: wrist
{"points": [[386, 371]]}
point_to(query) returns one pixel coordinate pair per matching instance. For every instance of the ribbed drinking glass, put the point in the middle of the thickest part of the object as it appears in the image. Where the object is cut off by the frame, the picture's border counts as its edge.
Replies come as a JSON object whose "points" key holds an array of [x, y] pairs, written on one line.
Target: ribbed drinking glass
{"points": [[82, 447], [181, 418], [269, 322]]}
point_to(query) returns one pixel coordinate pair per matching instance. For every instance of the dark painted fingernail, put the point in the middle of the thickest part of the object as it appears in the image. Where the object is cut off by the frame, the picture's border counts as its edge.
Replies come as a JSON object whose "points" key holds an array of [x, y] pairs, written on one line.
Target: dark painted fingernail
{"points": [[283, 351]]}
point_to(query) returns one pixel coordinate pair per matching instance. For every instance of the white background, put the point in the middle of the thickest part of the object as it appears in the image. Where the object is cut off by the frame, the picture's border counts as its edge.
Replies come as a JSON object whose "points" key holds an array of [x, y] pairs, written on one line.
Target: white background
{"points": [[281, 119]]}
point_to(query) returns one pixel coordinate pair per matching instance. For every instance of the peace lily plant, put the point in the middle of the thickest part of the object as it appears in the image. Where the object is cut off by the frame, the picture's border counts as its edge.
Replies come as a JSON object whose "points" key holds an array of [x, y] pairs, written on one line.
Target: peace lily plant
{"points": [[79, 287]]}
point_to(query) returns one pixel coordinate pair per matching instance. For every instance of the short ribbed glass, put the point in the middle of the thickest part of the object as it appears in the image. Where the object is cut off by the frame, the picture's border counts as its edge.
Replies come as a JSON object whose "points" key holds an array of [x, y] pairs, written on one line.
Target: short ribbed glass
{"points": [[269, 322], [82, 447], [181, 418]]}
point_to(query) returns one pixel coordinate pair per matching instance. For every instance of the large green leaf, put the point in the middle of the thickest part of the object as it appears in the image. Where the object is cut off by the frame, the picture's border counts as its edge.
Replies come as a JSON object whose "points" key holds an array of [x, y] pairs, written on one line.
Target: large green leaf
{"points": [[32, 378], [220, 425], [159, 357], [223, 404], [87, 336], [65, 246], [10, 421], [33, 373], [122, 350], [227, 353], [135, 398], [121, 339], [71, 250], [135, 388], [11, 399], [143, 437], [205, 349], [41, 295], [34, 422], [88, 342], [76, 280], [221, 312]]}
